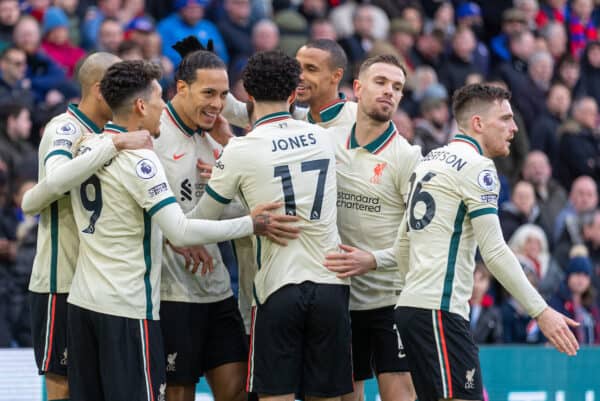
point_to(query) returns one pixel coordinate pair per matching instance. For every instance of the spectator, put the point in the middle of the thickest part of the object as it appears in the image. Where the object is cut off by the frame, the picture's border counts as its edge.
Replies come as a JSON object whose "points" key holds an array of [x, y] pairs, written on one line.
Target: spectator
{"points": [[293, 30], [443, 20], [460, 64], [530, 244], [428, 49], [556, 37], [323, 29], [576, 298], [580, 26], [530, 9], [361, 41], [589, 79], [513, 22], [265, 36], [402, 37], [550, 196], [130, 50], [56, 42], [110, 36], [15, 129], [48, 80], [423, 77], [579, 145], [521, 209], [591, 237], [94, 18], [485, 320], [139, 29], [544, 130], [469, 15], [13, 84], [517, 325], [568, 72], [9, 15], [552, 11], [530, 99], [187, 20], [432, 129], [236, 28], [70, 9], [514, 72], [313, 10], [404, 124], [583, 199]]}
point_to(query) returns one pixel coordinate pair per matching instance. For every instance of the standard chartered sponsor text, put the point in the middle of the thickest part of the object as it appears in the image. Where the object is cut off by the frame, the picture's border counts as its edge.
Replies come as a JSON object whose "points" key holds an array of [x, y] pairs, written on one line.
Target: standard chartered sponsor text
{"points": [[358, 201]]}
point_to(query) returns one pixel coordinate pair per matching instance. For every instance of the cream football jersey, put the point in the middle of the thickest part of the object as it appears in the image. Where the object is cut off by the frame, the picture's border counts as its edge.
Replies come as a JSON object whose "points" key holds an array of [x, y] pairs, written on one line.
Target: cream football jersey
{"points": [[58, 243], [294, 162], [450, 187], [339, 113], [118, 269], [372, 186], [179, 147]]}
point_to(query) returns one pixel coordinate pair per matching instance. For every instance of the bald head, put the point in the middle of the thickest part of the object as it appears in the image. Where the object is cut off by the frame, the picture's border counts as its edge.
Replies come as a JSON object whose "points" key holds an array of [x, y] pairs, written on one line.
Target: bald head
{"points": [[93, 69]]}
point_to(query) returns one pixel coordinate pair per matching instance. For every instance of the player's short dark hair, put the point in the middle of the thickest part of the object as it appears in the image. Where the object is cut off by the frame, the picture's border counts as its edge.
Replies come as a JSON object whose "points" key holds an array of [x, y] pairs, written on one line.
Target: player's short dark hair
{"points": [[271, 76], [337, 55], [197, 60], [468, 96], [127, 80], [382, 58]]}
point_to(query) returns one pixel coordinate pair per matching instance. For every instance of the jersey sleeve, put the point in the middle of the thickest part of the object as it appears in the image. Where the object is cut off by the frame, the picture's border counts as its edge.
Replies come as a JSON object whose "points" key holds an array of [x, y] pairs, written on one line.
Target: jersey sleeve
{"points": [[227, 171], [409, 158], [144, 177], [479, 188], [62, 135]]}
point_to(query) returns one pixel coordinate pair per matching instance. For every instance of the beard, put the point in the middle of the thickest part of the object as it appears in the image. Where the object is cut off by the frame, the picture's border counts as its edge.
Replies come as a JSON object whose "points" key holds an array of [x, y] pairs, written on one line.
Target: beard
{"points": [[380, 116]]}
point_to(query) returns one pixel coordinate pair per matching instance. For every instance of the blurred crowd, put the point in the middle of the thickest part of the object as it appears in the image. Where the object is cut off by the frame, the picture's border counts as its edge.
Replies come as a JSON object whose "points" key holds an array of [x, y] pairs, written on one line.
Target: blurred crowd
{"points": [[547, 53]]}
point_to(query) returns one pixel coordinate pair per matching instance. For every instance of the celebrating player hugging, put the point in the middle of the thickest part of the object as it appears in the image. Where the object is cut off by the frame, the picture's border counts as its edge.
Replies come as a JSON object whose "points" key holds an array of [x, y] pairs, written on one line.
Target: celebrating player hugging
{"points": [[355, 254]]}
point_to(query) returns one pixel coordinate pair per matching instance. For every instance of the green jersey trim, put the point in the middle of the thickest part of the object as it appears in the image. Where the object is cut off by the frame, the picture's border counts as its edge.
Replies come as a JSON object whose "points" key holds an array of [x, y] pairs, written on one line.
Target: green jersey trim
{"points": [[167, 201], [484, 211], [179, 122], [114, 128], [330, 111], [452, 255], [213, 194], [148, 261], [469, 140], [58, 152], [271, 118], [53, 245], [378, 144], [73, 109], [258, 253]]}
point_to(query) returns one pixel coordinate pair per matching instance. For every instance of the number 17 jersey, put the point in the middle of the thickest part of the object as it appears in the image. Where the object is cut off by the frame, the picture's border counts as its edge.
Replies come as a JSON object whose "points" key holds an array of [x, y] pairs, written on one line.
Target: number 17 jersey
{"points": [[450, 187], [294, 162]]}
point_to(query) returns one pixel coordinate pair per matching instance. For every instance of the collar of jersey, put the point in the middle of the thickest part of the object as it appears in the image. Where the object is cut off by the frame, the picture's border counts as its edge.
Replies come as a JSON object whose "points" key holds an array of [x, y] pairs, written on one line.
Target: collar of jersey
{"points": [[114, 128], [330, 111], [83, 119], [377, 145], [470, 141], [179, 122], [273, 117]]}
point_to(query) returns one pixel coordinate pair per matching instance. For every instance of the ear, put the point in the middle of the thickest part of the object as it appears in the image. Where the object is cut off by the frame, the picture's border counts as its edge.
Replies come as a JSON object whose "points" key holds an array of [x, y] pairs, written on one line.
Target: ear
{"points": [[139, 106], [182, 87], [338, 74], [357, 86], [292, 98], [96, 91], [477, 123]]}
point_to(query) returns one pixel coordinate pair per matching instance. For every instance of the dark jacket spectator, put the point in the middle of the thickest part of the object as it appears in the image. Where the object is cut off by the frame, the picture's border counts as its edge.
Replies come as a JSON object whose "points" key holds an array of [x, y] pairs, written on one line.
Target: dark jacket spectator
{"points": [[589, 76], [522, 209], [13, 85], [15, 128], [484, 320], [236, 28], [460, 64]]}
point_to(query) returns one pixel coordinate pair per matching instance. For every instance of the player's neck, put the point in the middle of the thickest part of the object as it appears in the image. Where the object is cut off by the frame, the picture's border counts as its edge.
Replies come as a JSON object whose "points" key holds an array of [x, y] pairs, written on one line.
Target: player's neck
{"points": [[318, 104], [176, 102], [88, 106], [262, 109], [368, 129], [130, 123]]}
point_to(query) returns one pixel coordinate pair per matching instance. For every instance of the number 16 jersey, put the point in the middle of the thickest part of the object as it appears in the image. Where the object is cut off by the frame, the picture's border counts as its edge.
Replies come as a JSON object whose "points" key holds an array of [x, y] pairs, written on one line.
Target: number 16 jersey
{"points": [[294, 162], [450, 187]]}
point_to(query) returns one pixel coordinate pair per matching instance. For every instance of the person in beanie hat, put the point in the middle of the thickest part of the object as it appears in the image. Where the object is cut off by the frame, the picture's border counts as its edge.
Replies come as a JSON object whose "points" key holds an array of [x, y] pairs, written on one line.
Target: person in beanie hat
{"points": [[576, 297], [56, 43]]}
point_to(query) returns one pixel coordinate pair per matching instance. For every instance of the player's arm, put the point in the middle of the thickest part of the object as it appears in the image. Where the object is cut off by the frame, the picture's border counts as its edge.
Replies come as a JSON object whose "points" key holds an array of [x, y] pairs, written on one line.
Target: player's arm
{"points": [[64, 173], [504, 265], [236, 112]]}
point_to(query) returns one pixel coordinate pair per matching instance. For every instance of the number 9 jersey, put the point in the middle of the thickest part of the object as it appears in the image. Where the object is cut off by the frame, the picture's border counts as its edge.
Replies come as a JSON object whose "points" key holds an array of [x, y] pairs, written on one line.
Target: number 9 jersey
{"points": [[450, 187], [291, 161]]}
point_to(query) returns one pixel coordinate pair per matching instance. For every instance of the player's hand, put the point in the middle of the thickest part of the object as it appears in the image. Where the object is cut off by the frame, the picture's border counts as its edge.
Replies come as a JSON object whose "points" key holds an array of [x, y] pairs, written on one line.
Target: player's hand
{"points": [[205, 169], [221, 131], [555, 327], [133, 140], [194, 257], [351, 262], [276, 227]]}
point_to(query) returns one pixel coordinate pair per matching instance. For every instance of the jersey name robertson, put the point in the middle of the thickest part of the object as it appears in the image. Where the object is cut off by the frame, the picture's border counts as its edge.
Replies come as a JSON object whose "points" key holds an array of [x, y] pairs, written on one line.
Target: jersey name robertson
{"points": [[450, 187], [58, 243], [262, 169], [118, 269], [179, 148], [372, 185]]}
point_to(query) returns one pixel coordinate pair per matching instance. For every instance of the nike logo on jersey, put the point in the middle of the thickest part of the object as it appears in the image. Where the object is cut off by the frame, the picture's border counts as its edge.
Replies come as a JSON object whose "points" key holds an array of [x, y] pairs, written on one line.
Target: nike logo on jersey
{"points": [[177, 157]]}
